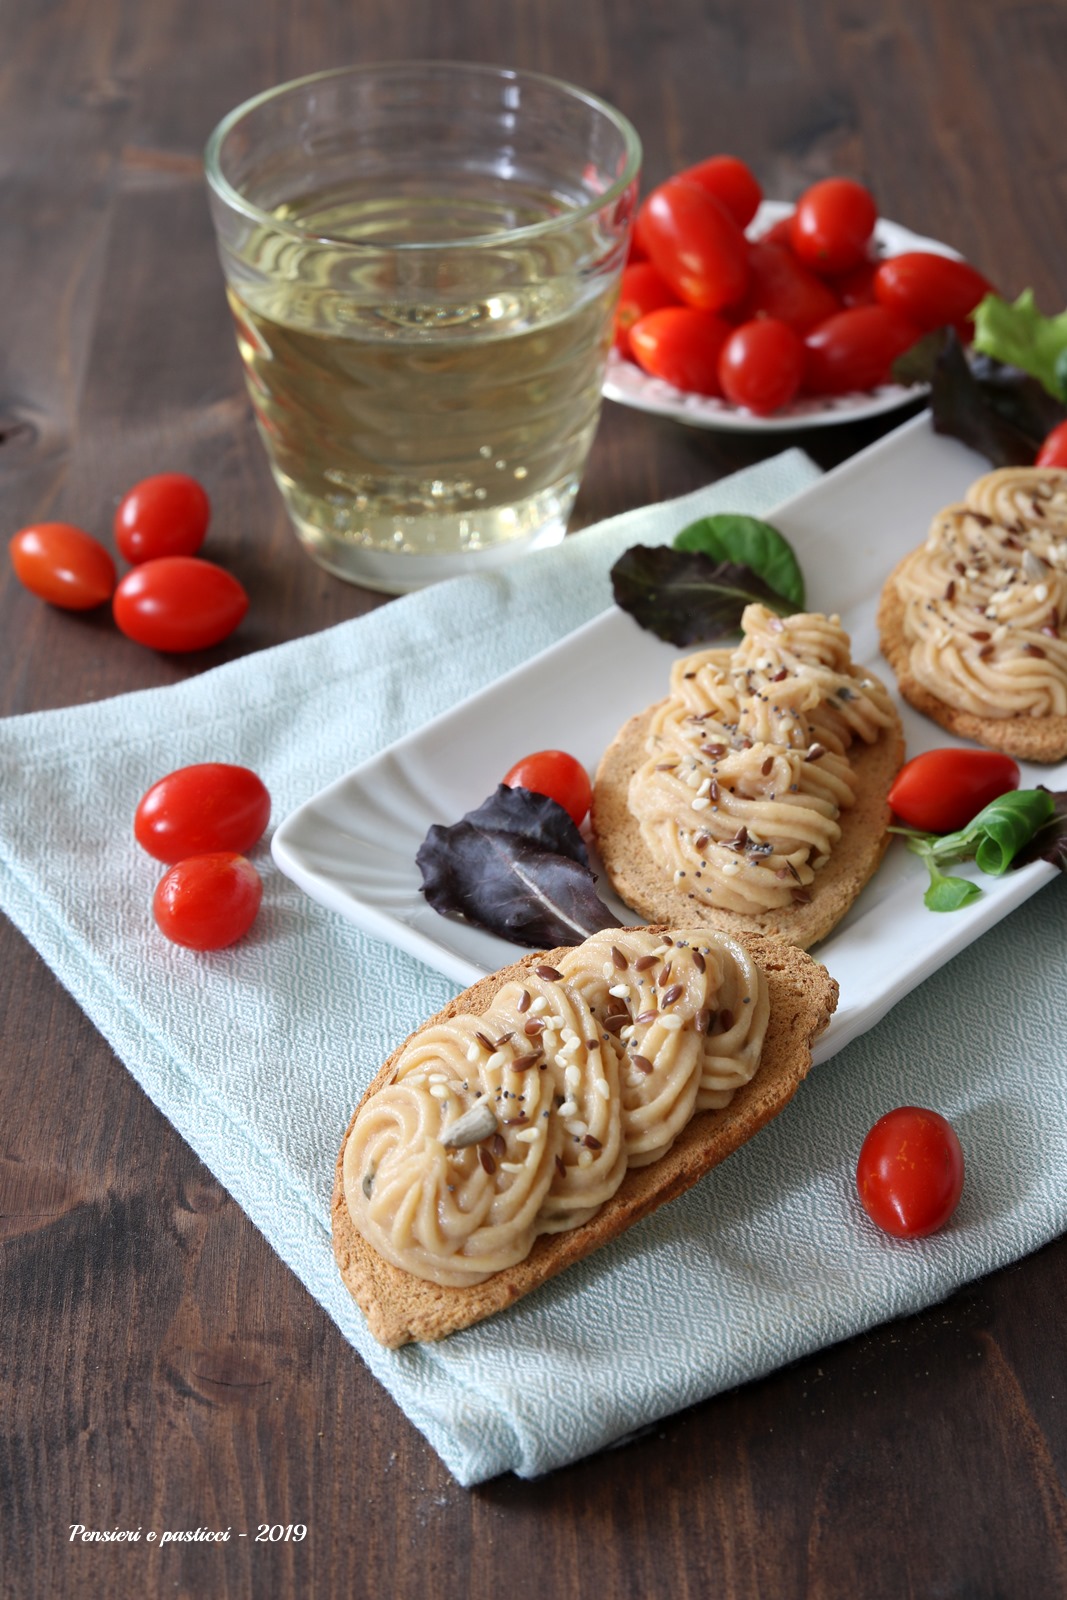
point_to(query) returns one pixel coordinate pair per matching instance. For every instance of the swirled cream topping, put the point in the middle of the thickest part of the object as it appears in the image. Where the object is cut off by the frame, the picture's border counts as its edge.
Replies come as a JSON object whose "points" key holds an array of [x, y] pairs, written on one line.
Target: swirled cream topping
{"points": [[524, 1120], [748, 764], [985, 598]]}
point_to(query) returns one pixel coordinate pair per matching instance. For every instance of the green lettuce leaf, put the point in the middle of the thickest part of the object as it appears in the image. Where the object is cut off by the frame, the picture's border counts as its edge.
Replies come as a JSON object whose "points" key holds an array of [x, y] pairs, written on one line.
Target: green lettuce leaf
{"points": [[1019, 335]]}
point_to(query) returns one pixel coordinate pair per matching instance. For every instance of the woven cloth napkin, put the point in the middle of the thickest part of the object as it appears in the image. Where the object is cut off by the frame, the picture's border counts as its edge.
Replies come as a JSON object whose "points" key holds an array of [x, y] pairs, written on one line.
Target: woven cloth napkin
{"points": [[258, 1054]]}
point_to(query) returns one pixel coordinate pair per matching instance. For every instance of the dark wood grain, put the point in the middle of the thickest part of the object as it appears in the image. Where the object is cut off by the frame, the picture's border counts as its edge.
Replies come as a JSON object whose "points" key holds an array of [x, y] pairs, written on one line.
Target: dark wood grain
{"points": [[159, 1366]]}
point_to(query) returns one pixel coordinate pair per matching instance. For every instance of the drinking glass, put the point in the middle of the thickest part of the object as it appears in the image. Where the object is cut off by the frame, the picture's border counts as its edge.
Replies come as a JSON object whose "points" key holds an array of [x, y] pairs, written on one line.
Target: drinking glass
{"points": [[422, 260]]}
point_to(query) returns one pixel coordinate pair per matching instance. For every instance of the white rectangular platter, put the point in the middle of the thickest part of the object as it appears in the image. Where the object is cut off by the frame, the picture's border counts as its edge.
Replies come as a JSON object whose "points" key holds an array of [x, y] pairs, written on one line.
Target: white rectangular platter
{"points": [[352, 847]]}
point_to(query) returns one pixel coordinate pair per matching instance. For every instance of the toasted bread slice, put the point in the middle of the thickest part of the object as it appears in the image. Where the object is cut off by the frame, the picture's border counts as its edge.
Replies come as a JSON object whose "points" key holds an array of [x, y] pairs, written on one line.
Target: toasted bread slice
{"points": [[401, 1308], [1041, 739], [640, 882]]}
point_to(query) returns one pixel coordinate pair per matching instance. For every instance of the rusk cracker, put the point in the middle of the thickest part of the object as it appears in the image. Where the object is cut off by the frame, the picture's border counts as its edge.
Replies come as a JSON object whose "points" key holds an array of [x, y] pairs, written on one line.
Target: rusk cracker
{"points": [[974, 620], [401, 1307], [638, 881], [1039, 739]]}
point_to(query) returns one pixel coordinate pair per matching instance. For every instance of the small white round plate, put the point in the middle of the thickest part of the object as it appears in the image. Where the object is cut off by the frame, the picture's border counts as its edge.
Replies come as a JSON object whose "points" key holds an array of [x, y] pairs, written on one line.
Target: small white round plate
{"points": [[626, 383]]}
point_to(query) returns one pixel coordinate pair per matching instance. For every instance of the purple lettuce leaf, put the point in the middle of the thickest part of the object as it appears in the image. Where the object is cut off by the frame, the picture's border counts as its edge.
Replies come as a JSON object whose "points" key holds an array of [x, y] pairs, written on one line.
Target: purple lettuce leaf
{"points": [[517, 867]]}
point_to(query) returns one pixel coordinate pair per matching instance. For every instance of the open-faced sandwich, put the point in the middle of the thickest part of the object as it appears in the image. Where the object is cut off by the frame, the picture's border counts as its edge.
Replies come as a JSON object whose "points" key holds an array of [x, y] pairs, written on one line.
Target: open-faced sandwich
{"points": [[555, 1103], [974, 622], [754, 795]]}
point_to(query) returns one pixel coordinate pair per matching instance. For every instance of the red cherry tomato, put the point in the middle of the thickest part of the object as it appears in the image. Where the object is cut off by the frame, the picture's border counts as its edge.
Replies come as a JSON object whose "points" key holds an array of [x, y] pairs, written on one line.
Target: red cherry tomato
{"points": [[206, 902], [64, 565], [833, 224], [855, 288], [910, 1172], [930, 290], [780, 232], [783, 287], [681, 345], [198, 809], [855, 349], [1053, 452], [761, 364], [731, 182], [179, 603], [941, 790], [695, 244], [642, 290], [556, 774], [162, 516]]}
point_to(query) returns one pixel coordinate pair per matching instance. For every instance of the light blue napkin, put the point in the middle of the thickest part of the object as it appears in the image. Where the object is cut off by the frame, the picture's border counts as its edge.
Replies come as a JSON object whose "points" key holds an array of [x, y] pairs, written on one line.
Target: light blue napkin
{"points": [[259, 1053]]}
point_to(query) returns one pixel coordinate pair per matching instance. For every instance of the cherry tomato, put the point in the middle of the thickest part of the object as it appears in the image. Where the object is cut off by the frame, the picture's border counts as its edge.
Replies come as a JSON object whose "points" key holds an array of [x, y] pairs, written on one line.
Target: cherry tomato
{"points": [[941, 790], [206, 902], [855, 349], [1053, 452], [780, 232], [197, 809], [761, 364], [695, 244], [930, 290], [856, 287], [681, 345], [910, 1172], [642, 290], [731, 182], [783, 287], [179, 603], [556, 774], [833, 224], [638, 243], [64, 565], [162, 516]]}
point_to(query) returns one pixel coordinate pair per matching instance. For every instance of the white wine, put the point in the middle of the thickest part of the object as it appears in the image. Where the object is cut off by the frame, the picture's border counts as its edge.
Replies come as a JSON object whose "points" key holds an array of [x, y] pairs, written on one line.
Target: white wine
{"points": [[417, 406]]}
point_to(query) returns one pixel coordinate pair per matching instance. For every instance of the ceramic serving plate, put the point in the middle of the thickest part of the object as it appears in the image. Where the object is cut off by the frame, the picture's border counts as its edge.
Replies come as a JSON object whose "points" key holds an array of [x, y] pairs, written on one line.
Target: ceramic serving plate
{"points": [[352, 847], [625, 382]]}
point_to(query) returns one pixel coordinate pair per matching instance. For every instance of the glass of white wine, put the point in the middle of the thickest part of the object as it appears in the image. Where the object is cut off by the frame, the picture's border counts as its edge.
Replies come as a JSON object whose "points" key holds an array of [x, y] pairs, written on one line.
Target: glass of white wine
{"points": [[422, 260]]}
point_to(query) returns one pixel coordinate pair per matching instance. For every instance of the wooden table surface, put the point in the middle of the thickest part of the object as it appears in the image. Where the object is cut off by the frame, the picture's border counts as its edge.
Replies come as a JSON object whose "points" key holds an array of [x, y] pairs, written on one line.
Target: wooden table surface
{"points": [[159, 1366]]}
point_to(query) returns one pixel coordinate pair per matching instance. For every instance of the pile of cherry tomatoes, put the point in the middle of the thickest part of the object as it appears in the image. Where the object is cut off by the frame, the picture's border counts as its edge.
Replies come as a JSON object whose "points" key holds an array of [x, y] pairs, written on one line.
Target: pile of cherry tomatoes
{"points": [[171, 600], [202, 820], [806, 308]]}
